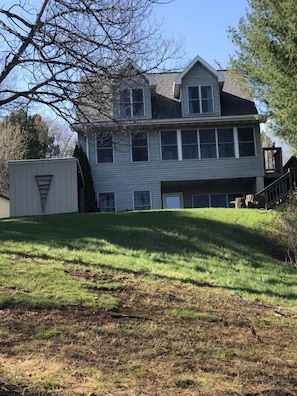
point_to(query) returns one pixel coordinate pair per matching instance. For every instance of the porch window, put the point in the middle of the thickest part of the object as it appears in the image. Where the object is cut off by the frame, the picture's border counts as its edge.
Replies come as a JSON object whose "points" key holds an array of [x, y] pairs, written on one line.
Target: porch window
{"points": [[107, 202], [132, 102], [142, 200], [169, 145], [200, 99], [189, 144], [208, 146], [218, 200], [139, 144], [201, 201], [246, 142], [225, 142], [223, 200], [104, 148]]}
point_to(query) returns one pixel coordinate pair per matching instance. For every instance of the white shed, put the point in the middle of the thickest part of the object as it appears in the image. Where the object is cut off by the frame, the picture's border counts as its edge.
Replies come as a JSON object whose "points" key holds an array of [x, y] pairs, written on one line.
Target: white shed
{"points": [[45, 186], [4, 206]]}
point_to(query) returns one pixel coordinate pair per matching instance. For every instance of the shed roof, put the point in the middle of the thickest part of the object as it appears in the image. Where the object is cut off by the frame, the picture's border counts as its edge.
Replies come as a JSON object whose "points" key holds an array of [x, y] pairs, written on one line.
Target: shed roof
{"points": [[4, 196]]}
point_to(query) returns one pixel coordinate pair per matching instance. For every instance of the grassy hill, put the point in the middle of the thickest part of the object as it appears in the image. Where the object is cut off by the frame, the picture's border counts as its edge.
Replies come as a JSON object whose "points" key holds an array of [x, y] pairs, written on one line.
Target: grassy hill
{"points": [[187, 302]]}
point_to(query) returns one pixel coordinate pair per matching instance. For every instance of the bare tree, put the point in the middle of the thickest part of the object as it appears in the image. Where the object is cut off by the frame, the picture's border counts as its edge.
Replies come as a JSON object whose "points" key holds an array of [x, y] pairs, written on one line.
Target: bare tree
{"points": [[64, 137], [57, 45]]}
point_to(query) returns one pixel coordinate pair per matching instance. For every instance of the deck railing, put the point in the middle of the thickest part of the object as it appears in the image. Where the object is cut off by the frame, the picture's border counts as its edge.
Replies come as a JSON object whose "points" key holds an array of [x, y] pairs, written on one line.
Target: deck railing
{"points": [[279, 190]]}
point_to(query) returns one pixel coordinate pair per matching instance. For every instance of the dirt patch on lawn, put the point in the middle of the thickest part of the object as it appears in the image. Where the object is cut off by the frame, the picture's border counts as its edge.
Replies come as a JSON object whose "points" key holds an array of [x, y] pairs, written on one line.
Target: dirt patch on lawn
{"points": [[141, 348]]}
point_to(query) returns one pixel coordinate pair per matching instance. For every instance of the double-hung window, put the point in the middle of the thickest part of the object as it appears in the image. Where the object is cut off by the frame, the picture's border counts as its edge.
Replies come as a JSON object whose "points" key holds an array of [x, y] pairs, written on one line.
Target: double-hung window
{"points": [[200, 99], [246, 141], [132, 102], [139, 144], [169, 145], [104, 148], [225, 142], [189, 144], [142, 200], [208, 145], [106, 202]]}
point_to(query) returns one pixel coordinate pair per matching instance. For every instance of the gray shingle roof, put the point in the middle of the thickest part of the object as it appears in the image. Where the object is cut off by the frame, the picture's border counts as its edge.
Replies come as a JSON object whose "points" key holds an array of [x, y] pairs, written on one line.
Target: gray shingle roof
{"points": [[234, 101]]}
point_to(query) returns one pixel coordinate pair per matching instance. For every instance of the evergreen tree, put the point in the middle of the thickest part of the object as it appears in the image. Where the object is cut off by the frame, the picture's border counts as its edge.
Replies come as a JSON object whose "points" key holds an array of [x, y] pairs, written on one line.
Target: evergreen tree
{"points": [[267, 56], [37, 142], [90, 204], [23, 137]]}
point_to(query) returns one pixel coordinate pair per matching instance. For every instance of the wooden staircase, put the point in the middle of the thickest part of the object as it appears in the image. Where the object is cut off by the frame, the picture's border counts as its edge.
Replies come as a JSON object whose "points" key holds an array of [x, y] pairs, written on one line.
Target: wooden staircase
{"points": [[278, 191]]}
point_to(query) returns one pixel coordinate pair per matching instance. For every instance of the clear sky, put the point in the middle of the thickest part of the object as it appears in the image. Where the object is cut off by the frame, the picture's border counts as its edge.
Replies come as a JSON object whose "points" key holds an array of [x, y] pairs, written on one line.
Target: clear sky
{"points": [[203, 25]]}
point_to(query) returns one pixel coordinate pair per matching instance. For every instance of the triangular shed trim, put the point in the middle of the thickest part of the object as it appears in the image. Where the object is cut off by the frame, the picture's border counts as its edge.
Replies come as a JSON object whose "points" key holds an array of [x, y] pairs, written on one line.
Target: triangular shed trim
{"points": [[178, 82]]}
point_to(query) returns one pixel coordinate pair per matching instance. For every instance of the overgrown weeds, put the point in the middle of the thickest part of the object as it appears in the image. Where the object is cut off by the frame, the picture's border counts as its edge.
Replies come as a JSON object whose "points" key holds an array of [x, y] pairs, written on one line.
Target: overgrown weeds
{"points": [[287, 229]]}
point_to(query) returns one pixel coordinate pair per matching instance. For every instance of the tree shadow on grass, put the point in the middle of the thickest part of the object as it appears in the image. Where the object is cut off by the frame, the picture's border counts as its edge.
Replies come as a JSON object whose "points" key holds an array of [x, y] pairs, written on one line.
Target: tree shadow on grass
{"points": [[155, 232], [159, 233]]}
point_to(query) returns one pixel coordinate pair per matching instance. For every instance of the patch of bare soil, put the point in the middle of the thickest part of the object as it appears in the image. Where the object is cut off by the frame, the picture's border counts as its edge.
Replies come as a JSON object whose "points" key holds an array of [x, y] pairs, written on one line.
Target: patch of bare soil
{"points": [[139, 349]]}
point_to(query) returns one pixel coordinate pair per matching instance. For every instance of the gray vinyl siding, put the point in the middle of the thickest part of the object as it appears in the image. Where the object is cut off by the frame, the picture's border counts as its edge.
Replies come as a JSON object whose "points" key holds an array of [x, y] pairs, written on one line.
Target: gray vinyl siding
{"points": [[123, 177], [62, 195], [198, 75]]}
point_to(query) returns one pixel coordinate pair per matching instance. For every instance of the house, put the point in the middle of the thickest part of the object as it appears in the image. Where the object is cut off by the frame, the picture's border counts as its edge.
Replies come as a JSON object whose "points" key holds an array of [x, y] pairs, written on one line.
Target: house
{"points": [[45, 186], [175, 140], [4, 206]]}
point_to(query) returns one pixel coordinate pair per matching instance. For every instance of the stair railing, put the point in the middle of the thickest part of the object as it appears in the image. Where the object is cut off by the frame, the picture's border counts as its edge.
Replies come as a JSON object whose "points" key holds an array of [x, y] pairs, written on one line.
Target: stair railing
{"points": [[279, 190]]}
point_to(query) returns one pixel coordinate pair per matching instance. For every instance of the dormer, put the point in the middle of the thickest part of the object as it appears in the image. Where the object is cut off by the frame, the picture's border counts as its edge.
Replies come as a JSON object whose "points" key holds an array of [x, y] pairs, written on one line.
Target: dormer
{"points": [[133, 91], [198, 88]]}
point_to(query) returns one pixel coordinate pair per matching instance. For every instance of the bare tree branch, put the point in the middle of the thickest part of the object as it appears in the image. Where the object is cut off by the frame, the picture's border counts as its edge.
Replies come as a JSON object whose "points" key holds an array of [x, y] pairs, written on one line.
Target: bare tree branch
{"points": [[63, 44]]}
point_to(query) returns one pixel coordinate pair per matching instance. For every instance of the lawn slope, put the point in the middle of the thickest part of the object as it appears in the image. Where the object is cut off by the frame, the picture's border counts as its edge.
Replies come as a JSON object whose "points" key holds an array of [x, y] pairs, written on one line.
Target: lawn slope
{"points": [[189, 302]]}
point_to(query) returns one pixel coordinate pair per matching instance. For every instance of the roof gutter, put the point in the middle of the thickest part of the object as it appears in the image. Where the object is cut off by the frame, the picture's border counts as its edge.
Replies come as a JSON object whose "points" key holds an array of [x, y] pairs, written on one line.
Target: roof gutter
{"points": [[152, 123]]}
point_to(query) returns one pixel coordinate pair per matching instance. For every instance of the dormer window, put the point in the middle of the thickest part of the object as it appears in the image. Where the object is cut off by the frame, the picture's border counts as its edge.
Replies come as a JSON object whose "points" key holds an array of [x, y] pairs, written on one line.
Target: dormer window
{"points": [[200, 99], [132, 103]]}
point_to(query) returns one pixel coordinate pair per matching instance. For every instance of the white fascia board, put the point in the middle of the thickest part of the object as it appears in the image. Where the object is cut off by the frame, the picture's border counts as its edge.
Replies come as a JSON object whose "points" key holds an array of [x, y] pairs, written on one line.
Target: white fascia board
{"points": [[180, 122], [256, 118], [43, 160]]}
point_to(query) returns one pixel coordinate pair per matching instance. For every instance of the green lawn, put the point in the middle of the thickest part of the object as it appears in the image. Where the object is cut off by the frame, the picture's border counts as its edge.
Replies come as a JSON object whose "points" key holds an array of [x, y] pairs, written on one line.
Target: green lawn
{"points": [[216, 247], [186, 302]]}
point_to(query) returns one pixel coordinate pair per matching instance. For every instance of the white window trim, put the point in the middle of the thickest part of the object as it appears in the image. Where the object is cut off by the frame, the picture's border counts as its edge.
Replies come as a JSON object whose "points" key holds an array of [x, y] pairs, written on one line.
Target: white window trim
{"points": [[179, 146], [200, 99], [131, 103], [217, 142], [113, 152], [254, 138], [177, 143], [107, 192], [139, 190], [235, 143], [148, 150]]}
